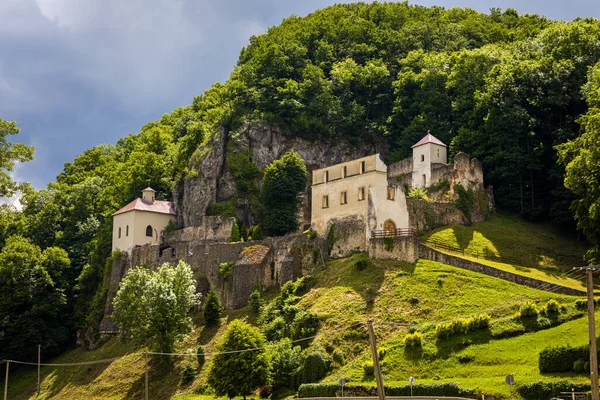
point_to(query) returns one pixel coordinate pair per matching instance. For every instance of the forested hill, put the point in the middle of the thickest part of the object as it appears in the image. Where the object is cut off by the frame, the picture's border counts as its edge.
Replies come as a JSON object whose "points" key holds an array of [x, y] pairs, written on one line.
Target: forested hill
{"points": [[503, 87]]}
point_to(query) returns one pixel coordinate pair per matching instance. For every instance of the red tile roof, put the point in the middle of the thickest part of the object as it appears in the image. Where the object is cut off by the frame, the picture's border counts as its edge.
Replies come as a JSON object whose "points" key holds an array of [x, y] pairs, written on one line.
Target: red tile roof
{"points": [[429, 138], [157, 206]]}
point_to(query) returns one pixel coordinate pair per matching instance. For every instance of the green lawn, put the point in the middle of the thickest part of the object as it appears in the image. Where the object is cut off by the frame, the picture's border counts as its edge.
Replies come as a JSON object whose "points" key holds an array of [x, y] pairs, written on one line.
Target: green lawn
{"points": [[539, 251], [387, 291]]}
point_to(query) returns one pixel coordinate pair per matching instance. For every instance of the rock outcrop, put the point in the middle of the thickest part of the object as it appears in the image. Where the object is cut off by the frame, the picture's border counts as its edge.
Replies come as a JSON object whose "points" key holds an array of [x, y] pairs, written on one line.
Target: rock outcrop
{"points": [[211, 180]]}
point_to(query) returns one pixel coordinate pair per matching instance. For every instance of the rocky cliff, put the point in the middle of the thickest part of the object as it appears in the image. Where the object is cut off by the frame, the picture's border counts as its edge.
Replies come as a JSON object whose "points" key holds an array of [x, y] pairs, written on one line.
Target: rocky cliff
{"points": [[212, 180]]}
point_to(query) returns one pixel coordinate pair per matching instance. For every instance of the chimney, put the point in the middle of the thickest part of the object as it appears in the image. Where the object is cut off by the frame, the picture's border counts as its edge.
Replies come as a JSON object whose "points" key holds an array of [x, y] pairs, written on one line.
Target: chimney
{"points": [[148, 194]]}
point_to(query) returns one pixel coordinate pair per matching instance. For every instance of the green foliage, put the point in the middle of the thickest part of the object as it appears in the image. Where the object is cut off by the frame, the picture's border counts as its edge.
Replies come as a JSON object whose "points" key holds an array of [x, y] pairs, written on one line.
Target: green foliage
{"points": [[187, 374], [255, 301], [239, 374], [465, 201], [362, 262], [418, 193], [245, 172], [211, 310], [552, 307], [200, 356], [284, 179], [12, 153], [307, 390], [235, 233], [286, 360], [413, 340], [330, 240], [33, 303], [562, 358], [462, 326], [152, 308], [389, 243], [255, 232], [547, 390], [226, 269], [315, 367], [225, 209], [368, 368], [282, 317], [580, 157], [528, 310], [171, 226]]}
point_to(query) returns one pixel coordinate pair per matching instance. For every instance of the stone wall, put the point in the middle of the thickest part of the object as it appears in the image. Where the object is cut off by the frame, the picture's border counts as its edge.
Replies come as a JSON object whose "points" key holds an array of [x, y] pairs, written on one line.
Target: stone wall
{"points": [[425, 216], [403, 248], [119, 269], [399, 168], [350, 236]]}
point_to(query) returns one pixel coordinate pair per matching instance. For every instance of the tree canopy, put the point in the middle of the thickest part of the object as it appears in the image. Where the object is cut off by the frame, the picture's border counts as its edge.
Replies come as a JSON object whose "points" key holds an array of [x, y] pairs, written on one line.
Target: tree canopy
{"points": [[11, 153]]}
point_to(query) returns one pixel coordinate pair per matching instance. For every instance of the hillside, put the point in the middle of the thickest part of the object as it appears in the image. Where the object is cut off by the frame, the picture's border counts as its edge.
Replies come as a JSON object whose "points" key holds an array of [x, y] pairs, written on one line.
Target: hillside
{"points": [[342, 295], [509, 243]]}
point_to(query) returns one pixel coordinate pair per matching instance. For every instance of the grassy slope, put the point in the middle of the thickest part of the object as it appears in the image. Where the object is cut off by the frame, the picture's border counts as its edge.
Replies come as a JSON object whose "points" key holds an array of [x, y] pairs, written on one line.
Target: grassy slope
{"points": [[545, 253], [341, 295]]}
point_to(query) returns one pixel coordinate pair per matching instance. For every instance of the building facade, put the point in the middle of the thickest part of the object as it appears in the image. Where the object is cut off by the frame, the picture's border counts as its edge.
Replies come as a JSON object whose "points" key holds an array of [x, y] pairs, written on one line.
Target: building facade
{"points": [[141, 222]]}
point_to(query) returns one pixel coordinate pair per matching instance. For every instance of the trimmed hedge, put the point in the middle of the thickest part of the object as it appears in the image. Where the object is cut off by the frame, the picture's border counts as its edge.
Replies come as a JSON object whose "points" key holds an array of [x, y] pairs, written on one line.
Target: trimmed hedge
{"points": [[435, 389], [462, 326], [547, 390], [562, 358]]}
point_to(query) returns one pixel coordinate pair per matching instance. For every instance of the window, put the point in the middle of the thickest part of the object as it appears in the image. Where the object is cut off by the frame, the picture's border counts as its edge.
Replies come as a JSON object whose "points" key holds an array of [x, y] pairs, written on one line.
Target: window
{"points": [[424, 180], [127, 230], [422, 157], [361, 193], [149, 230], [363, 167], [119, 232], [391, 193], [438, 153], [344, 172], [344, 198], [326, 176], [325, 202]]}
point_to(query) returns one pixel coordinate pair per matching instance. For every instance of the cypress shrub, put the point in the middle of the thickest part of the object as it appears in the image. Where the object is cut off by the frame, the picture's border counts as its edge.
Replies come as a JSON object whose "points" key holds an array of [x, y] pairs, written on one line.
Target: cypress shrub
{"points": [[188, 374], [200, 356], [211, 311], [255, 301]]}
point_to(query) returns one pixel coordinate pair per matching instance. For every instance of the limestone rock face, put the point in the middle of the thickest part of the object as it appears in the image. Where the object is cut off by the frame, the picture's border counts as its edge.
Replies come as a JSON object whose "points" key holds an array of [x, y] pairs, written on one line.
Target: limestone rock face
{"points": [[212, 181]]}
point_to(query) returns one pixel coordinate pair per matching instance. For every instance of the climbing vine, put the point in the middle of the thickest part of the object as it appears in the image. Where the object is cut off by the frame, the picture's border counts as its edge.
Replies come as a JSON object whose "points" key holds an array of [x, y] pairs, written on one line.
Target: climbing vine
{"points": [[465, 201]]}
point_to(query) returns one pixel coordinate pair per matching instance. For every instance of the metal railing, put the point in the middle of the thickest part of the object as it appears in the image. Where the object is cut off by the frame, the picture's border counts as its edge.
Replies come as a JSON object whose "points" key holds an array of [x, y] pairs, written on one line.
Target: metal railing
{"points": [[392, 233], [483, 255]]}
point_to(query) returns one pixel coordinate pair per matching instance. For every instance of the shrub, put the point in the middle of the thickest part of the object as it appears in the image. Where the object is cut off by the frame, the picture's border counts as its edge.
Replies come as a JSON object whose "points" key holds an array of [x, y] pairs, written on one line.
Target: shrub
{"points": [[256, 232], [546, 390], [211, 310], [330, 241], [413, 340], [578, 366], [188, 374], [418, 193], [235, 233], [368, 368], [465, 201], [465, 358], [312, 234], [414, 300], [265, 391], [528, 310], [225, 209], [362, 262], [305, 324], [561, 358], [462, 326], [318, 390], [200, 356], [339, 357], [552, 306], [255, 301], [171, 226], [226, 269], [315, 367]]}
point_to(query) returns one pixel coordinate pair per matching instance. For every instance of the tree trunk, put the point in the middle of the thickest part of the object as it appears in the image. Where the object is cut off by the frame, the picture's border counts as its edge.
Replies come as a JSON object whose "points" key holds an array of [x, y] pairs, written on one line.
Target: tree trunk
{"points": [[531, 184], [521, 191]]}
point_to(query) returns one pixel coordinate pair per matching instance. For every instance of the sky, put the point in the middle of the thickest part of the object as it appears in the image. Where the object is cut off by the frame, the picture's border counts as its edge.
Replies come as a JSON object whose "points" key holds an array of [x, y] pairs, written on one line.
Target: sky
{"points": [[78, 73]]}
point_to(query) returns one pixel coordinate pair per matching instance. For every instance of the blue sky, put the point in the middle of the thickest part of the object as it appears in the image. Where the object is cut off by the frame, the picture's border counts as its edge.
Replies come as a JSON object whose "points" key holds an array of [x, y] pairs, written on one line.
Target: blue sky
{"points": [[77, 73]]}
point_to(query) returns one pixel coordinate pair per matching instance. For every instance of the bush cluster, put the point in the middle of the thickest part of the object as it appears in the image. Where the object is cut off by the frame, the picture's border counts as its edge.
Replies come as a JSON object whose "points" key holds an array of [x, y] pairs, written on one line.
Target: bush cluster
{"points": [[547, 390], [563, 359], [462, 326], [362, 262], [413, 339], [581, 304], [436, 389], [368, 368], [528, 310]]}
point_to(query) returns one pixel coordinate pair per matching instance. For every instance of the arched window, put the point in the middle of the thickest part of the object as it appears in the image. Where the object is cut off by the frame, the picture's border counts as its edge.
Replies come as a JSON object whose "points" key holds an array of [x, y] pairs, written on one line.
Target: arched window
{"points": [[422, 157], [149, 230], [119, 233]]}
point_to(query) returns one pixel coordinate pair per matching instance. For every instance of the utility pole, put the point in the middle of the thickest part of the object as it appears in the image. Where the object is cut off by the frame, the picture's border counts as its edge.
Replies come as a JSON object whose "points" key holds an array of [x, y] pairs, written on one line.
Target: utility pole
{"points": [[146, 377], [6, 381], [589, 271], [39, 361], [380, 390]]}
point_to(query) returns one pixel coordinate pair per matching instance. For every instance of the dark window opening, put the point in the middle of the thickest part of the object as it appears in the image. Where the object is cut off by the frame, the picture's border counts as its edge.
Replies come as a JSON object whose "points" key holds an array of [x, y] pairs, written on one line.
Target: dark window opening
{"points": [[149, 230]]}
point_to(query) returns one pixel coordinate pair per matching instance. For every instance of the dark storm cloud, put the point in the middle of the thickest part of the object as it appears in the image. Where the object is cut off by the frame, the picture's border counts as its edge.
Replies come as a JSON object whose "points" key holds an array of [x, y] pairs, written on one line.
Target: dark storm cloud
{"points": [[76, 73]]}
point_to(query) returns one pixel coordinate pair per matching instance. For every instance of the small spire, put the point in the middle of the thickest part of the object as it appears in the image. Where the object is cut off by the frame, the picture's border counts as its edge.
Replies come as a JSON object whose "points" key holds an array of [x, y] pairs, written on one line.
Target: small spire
{"points": [[428, 131]]}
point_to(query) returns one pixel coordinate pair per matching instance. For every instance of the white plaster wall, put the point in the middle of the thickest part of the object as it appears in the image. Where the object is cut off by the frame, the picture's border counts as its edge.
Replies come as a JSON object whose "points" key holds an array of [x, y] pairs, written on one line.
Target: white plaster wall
{"points": [[138, 221], [433, 153], [385, 209], [372, 163]]}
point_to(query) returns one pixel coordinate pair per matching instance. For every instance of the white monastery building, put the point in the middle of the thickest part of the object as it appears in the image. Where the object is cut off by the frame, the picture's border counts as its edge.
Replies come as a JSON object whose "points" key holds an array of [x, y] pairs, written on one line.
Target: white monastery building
{"points": [[426, 152], [142, 221]]}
